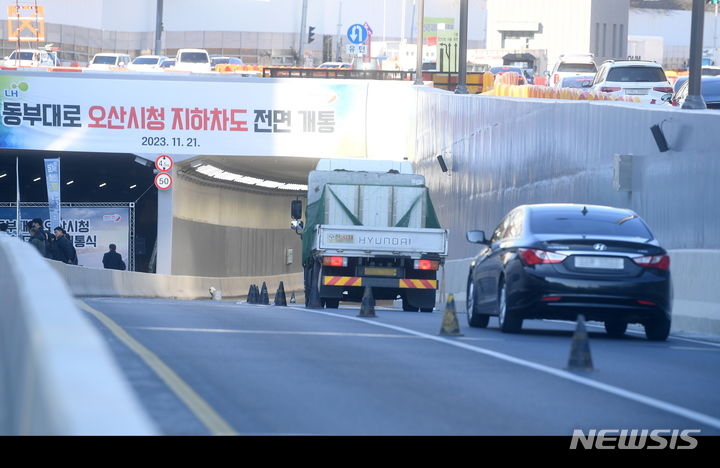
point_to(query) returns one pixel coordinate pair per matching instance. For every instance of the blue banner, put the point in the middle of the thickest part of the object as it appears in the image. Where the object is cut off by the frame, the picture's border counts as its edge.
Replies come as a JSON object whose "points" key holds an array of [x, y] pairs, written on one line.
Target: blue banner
{"points": [[52, 177]]}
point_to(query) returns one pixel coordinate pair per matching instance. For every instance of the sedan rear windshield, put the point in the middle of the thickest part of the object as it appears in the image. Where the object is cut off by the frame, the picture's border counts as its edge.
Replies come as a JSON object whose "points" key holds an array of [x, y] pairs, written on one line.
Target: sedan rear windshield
{"points": [[194, 57], [105, 60], [145, 61], [592, 223], [637, 74], [577, 67]]}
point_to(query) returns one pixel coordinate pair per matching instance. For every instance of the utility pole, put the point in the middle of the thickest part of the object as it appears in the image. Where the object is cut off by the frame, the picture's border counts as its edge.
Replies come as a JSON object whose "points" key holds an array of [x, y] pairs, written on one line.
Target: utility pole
{"points": [[419, 36], [461, 87], [694, 98], [301, 47], [158, 27]]}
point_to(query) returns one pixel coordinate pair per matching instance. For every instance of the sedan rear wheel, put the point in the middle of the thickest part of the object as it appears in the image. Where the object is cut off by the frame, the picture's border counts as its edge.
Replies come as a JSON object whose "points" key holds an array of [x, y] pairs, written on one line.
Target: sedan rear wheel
{"points": [[657, 329], [509, 320]]}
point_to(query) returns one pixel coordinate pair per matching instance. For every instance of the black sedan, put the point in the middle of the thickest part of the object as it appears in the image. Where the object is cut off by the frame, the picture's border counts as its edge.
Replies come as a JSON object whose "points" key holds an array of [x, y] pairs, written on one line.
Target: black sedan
{"points": [[555, 261]]}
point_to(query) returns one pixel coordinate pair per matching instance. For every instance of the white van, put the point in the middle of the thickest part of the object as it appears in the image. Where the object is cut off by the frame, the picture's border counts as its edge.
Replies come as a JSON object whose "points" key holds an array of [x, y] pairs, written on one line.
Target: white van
{"points": [[192, 60], [30, 58], [108, 61]]}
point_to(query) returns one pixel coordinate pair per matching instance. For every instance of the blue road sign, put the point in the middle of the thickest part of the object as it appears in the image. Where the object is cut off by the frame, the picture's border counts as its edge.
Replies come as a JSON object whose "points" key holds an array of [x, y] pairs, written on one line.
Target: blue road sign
{"points": [[357, 34]]}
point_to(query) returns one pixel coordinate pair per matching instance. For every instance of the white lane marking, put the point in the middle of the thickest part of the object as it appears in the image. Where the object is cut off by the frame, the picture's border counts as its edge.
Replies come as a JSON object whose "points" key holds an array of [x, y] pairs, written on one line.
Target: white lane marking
{"points": [[695, 348], [274, 332], [637, 397], [642, 333]]}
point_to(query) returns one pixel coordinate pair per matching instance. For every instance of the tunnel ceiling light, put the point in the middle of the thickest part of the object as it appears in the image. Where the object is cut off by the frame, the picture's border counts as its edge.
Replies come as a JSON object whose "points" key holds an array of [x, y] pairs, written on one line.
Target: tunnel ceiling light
{"points": [[3, 175], [69, 182], [36, 179], [217, 173], [133, 186], [103, 184]]}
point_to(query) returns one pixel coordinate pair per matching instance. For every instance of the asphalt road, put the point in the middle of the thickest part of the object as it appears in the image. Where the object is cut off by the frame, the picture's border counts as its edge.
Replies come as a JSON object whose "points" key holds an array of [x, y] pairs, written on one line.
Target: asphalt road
{"points": [[206, 367]]}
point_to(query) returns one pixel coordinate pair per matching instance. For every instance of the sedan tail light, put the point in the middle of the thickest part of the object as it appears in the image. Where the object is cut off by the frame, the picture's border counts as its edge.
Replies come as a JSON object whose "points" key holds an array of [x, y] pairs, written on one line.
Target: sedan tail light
{"points": [[663, 89], [535, 256], [609, 89], [661, 262]]}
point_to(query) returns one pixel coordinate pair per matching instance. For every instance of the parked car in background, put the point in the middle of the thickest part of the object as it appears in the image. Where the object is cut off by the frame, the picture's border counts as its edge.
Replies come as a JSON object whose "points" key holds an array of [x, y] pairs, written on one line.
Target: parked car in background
{"points": [[710, 71], [147, 63], [108, 61], [30, 58], [337, 65], [639, 79], [582, 81], [710, 90], [497, 71], [167, 64], [679, 82], [192, 60], [555, 261], [218, 60], [571, 65]]}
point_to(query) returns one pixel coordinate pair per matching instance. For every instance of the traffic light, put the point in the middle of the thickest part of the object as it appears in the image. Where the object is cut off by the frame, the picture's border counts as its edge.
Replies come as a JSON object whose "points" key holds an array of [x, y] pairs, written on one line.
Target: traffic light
{"points": [[311, 34]]}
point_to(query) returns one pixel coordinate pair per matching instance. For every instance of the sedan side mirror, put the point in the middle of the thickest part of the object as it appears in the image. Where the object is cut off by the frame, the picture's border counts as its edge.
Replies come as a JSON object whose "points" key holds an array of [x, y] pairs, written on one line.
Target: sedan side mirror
{"points": [[476, 237]]}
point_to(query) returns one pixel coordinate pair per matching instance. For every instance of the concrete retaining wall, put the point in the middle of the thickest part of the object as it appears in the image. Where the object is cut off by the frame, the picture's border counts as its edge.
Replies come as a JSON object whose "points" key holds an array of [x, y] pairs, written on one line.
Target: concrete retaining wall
{"points": [[92, 282], [57, 376]]}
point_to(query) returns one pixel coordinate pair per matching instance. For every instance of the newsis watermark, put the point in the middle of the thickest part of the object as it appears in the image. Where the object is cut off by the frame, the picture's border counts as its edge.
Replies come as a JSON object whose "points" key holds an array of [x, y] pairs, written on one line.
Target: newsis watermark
{"points": [[634, 439]]}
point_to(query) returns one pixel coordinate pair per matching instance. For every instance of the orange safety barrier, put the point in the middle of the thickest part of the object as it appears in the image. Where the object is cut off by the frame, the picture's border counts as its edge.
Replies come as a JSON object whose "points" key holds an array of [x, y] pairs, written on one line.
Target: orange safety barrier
{"points": [[545, 92]]}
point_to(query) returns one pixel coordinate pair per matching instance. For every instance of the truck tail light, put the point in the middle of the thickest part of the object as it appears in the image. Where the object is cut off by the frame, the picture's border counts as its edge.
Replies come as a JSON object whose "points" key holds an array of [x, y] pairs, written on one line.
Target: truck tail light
{"points": [[661, 262], [426, 264], [335, 261], [536, 256]]}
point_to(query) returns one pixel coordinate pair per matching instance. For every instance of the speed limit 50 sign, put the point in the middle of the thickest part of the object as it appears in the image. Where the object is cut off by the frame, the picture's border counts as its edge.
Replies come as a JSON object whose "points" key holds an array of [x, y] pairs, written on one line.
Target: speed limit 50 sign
{"points": [[163, 181]]}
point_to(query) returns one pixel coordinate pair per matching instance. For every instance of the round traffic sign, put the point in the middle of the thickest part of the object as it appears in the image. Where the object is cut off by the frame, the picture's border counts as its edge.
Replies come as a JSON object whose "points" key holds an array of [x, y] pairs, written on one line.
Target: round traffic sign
{"points": [[163, 163], [163, 181], [357, 34]]}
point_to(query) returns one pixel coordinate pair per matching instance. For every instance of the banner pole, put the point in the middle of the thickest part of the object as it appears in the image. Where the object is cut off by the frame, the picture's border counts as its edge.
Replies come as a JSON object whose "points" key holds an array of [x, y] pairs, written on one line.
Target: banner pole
{"points": [[18, 232]]}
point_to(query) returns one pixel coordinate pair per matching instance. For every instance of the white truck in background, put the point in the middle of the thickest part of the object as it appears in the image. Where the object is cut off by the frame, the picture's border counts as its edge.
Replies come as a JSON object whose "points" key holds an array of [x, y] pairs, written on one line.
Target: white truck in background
{"points": [[370, 224]]}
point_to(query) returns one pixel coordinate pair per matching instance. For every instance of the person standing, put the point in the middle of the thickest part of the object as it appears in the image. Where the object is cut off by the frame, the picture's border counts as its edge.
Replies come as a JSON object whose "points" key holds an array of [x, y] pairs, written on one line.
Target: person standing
{"points": [[113, 260], [64, 250], [38, 238]]}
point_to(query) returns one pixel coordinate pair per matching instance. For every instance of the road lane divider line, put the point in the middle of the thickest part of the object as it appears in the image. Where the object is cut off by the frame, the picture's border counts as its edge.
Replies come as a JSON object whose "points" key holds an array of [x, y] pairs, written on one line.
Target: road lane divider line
{"points": [[277, 332], [197, 405], [627, 394]]}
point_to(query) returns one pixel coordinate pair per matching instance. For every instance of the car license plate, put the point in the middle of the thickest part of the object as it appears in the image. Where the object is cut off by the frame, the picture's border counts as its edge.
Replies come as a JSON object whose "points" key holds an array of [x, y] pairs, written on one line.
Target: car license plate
{"points": [[607, 263], [637, 91]]}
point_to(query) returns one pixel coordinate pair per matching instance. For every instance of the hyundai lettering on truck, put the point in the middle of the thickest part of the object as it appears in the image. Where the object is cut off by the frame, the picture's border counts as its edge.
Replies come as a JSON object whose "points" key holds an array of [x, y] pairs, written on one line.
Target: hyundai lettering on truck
{"points": [[370, 224]]}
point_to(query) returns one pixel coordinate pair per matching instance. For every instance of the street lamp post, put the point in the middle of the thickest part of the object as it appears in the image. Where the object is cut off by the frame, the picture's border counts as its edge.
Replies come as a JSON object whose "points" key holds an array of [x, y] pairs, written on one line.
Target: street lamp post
{"points": [[461, 87], [420, 31], [694, 98]]}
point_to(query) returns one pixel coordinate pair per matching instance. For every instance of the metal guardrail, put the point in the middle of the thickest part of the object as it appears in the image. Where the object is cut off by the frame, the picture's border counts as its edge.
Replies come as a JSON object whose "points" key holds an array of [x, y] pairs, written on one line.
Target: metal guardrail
{"points": [[300, 72]]}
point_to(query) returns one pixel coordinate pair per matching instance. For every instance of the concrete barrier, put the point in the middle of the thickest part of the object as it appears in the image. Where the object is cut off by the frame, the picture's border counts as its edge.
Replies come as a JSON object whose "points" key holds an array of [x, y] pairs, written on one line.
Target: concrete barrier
{"points": [[696, 299], [56, 374], [94, 282]]}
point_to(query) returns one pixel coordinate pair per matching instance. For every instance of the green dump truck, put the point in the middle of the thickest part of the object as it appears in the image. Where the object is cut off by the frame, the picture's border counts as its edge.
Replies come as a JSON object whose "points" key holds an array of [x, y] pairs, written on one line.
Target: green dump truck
{"points": [[370, 224]]}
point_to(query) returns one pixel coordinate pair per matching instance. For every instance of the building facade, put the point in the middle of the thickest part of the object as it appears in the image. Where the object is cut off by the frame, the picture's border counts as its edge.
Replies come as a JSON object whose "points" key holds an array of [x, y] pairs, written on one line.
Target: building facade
{"points": [[560, 27]]}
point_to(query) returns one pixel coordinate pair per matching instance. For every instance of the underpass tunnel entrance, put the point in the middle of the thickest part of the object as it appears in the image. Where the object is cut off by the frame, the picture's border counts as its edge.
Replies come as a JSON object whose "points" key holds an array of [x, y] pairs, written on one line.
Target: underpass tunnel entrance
{"points": [[231, 216], [106, 198]]}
